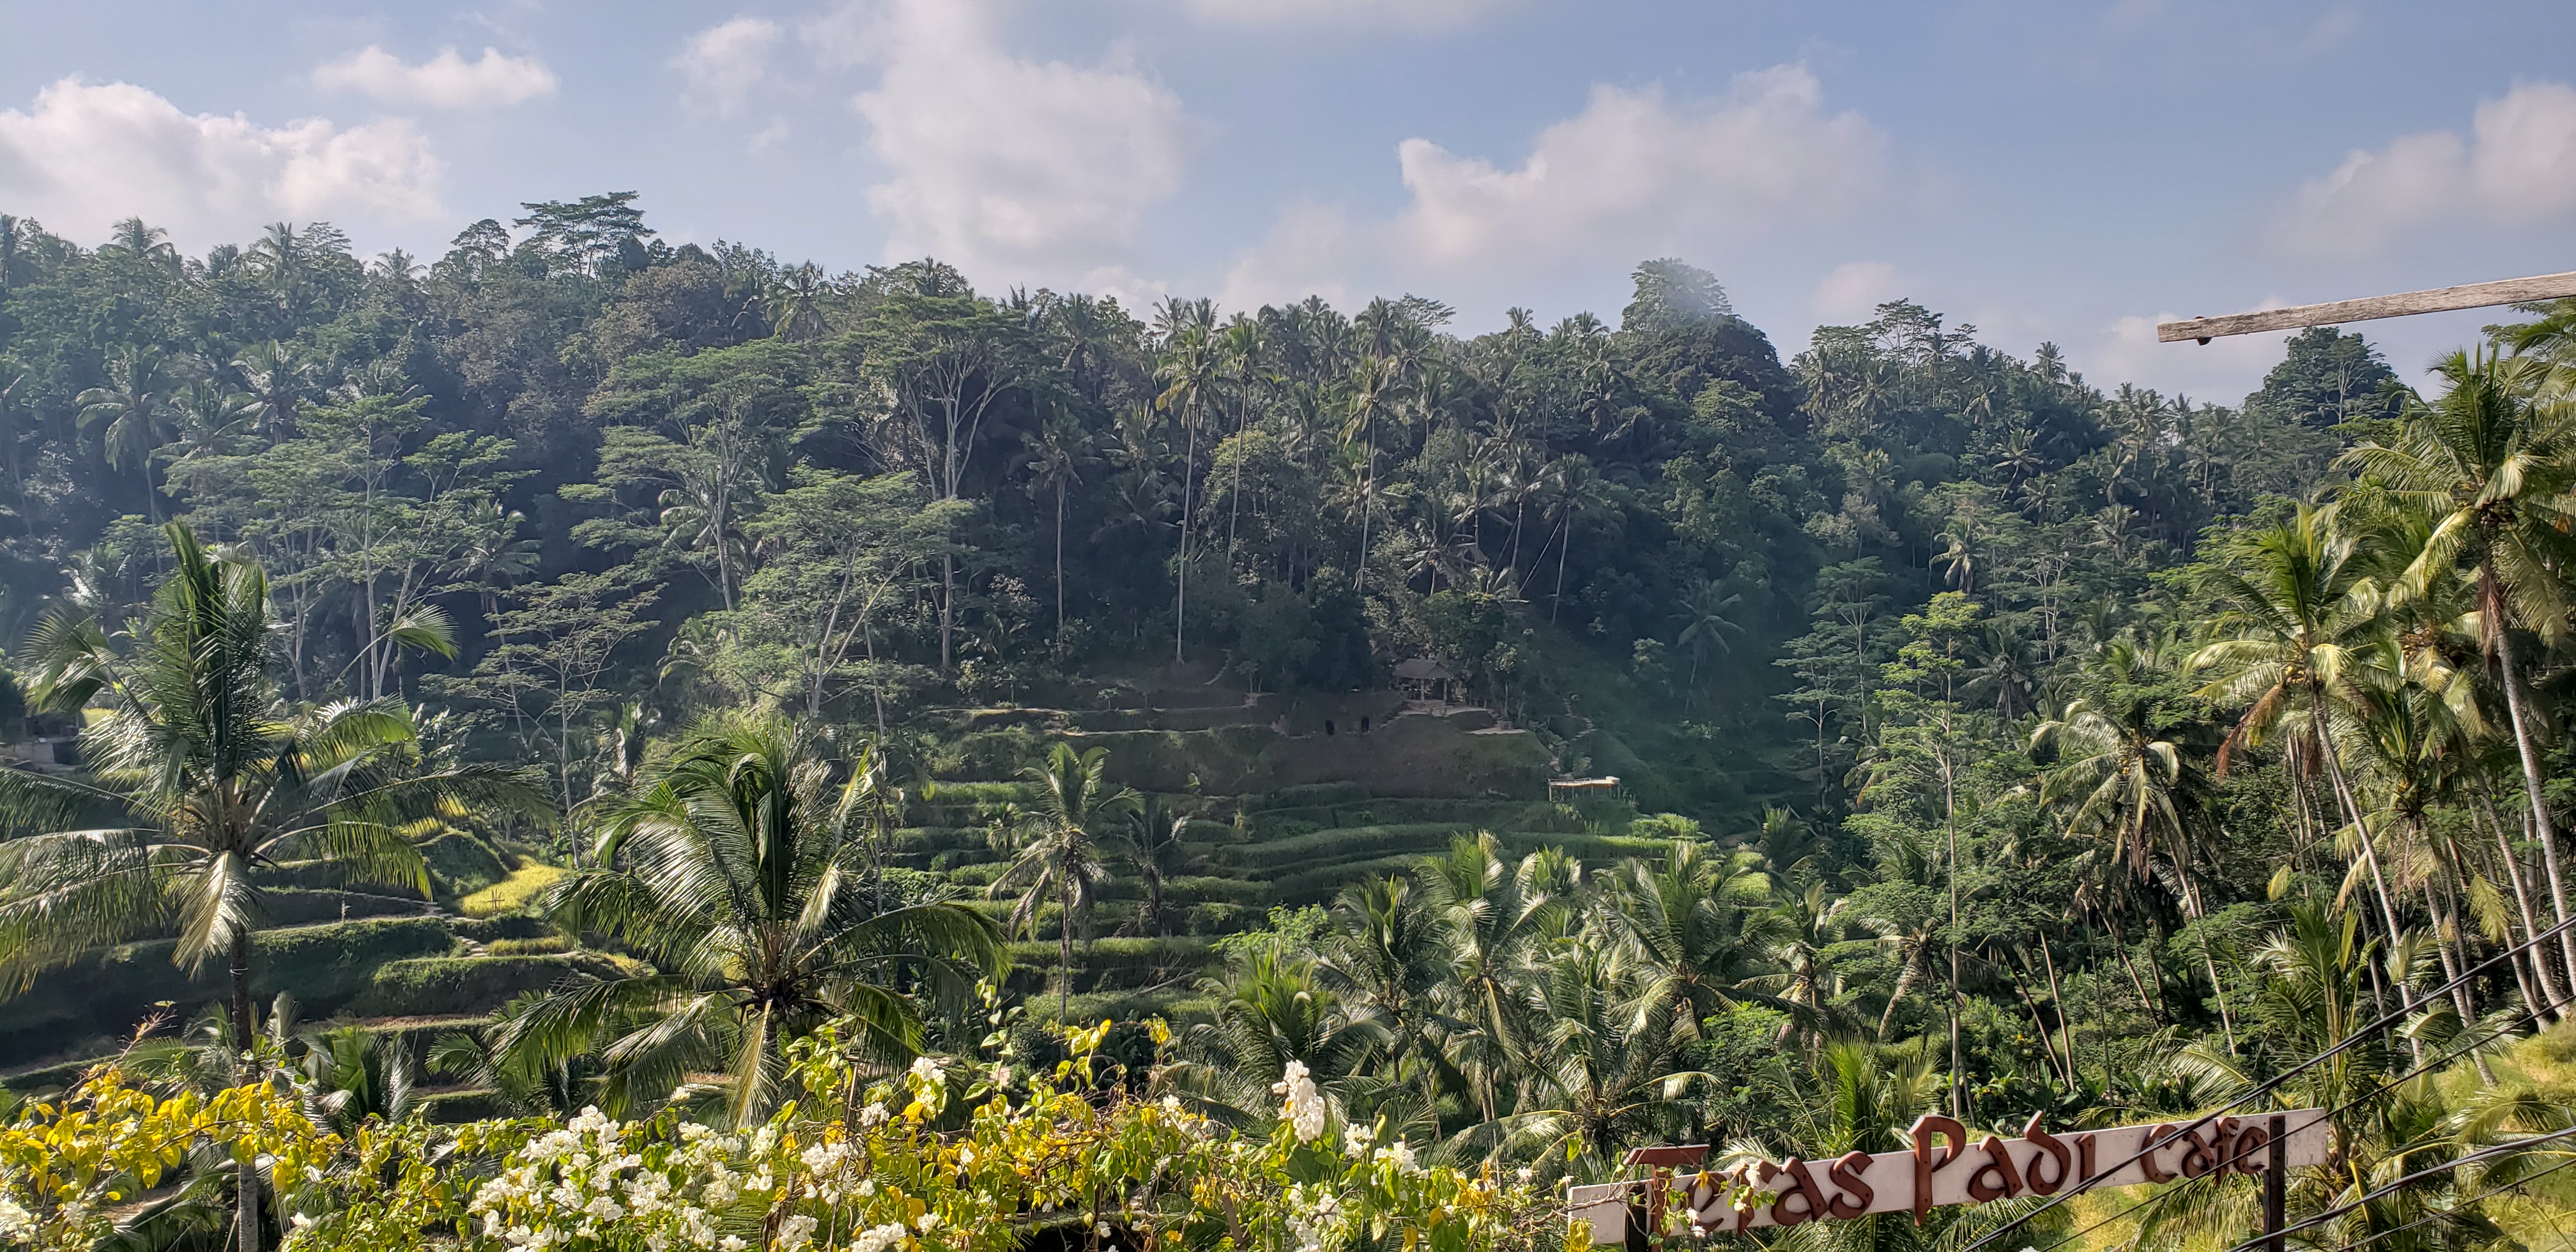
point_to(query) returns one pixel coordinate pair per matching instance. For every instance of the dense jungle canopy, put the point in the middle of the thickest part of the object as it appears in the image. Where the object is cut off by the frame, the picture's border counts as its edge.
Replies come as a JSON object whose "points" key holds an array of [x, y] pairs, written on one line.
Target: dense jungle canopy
{"points": [[578, 671]]}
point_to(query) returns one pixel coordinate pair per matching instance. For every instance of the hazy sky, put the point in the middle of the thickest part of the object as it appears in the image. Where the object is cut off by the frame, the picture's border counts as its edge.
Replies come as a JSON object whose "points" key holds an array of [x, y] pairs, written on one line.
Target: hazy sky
{"points": [[2067, 171]]}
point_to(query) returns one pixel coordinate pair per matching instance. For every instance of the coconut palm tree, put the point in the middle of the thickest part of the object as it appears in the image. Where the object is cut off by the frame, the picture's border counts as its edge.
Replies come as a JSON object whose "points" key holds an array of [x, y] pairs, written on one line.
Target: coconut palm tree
{"points": [[739, 870], [1063, 848], [1191, 364], [2493, 460], [2310, 997], [279, 380], [203, 784], [1604, 1076], [135, 407], [1271, 1009], [2115, 763], [1695, 925], [1496, 913], [1058, 449], [2294, 605]]}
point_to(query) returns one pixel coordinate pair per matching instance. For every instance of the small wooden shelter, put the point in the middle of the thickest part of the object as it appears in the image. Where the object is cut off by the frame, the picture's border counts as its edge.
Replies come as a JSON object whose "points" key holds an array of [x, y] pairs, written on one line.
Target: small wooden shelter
{"points": [[1428, 680]]}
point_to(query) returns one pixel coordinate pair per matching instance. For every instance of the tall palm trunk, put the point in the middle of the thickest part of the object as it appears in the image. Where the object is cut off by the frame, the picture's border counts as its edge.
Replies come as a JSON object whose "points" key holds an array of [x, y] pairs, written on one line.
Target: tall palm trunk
{"points": [[2209, 961], [2542, 827], [1059, 560], [246, 1214], [2549, 1000], [2369, 851]]}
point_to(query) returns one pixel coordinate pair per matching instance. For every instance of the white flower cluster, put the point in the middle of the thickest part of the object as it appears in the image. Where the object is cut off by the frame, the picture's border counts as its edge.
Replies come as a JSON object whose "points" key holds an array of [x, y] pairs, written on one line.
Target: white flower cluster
{"points": [[879, 1238], [1305, 1105], [17, 1225], [1401, 1153], [575, 1184], [1314, 1216], [1357, 1140]]}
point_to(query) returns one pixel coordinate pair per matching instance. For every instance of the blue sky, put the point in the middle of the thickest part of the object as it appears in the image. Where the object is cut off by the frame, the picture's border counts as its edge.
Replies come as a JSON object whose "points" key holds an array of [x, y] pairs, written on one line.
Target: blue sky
{"points": [[2065, 171]]}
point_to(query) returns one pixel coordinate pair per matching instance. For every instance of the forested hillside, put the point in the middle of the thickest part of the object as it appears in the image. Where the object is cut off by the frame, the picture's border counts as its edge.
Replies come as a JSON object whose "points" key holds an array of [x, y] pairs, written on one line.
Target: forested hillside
{"points": [[655, 660]]}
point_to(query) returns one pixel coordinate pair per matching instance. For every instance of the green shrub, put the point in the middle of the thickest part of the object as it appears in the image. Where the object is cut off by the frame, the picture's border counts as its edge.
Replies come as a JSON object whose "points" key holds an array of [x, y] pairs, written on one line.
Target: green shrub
{"points": [[527, 947], [324, 965], [302, 906], [460, 864], [443, 985], [505, 926]]}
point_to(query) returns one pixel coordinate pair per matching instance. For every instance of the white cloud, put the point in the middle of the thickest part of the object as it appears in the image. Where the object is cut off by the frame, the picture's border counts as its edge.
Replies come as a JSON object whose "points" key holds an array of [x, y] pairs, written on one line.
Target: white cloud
{"points": [[722, 62], [1635, 174], [2221, 371], [1852, 293], [87, 155], [1002, 165], [2517, 166], [445, 81], [1634, 171], [1310, 251], [1416, 14]]}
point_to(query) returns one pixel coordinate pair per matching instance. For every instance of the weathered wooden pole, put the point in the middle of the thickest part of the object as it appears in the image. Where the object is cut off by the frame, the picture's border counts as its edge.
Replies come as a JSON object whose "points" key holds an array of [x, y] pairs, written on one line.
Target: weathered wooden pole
{"points": [[2434, 300]]}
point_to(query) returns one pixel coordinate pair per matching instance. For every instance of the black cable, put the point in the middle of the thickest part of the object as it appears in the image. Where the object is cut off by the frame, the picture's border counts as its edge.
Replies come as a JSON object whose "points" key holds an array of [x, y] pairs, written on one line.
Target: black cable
{"points": [[2533, 1014], [2269, 1085], [2482, 1154], [2456, 1206]]}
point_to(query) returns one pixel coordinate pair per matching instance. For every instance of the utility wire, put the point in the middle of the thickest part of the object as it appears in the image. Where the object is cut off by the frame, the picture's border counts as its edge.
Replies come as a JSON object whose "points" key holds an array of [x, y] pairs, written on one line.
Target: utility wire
{"points": [[2531, 1013], [2269, 1085], [2482, 1154], [2455, 1208]]}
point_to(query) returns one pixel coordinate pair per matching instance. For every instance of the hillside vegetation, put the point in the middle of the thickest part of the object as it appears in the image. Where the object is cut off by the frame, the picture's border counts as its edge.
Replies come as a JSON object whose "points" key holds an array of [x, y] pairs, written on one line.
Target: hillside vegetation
{"points": [[580, 672]]}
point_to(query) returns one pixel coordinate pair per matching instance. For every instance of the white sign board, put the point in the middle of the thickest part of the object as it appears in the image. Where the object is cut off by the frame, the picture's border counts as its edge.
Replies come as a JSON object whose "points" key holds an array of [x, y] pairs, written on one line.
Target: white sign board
{"points": [[1945, 1167]]}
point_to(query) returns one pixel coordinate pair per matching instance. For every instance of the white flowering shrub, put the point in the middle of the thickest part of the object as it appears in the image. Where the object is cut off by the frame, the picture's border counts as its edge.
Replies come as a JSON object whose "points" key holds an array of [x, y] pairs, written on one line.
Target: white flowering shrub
{"points": [[941, 1157]]}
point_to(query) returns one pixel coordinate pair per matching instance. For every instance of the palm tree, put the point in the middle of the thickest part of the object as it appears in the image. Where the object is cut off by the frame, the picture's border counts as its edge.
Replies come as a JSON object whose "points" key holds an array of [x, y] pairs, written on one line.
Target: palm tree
{"points": [[1707, 619], [1811, 923], [2289, 621], [1389, 959], [737, 870], [1496, 912], [205, 783], [2113, 759], [1158, 854], [1696, 927], [278, 379], [2490, 460], [135, 407], [1573, 490], [1271, 1009], [1188, 371], [1374, 387], [1058, 449], [2311, 997], [1243, 346], [1064, 847], [1604, 1075]]}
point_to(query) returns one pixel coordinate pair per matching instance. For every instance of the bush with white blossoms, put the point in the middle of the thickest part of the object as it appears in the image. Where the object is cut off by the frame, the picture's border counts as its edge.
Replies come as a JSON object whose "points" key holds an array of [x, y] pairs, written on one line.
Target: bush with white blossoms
{"points": [[933, 1158]]}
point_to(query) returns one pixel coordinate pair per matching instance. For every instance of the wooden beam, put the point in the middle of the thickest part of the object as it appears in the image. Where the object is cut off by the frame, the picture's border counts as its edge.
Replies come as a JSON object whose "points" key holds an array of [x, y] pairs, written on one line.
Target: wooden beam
{"points": [[2437, 300]]}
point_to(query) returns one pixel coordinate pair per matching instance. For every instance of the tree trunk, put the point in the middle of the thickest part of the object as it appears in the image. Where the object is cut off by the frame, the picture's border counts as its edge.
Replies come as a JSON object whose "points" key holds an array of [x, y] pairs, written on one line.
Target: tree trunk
{"points": [[2545, 830], [1059, 561], [246, 1213], [2550, 1000], [947, 611], [2057, 996], [2369, 852], [1181, 601]]}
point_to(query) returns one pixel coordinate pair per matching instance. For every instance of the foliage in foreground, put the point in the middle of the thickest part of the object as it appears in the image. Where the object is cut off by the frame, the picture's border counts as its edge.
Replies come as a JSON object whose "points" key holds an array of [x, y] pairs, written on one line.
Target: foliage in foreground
{"points": [[929, 1158]]}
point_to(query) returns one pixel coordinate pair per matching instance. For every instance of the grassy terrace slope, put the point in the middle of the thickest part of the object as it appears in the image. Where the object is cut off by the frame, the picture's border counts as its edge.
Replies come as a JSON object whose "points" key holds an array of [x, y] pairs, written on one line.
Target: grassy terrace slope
{"points": [[1289, 800]]}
